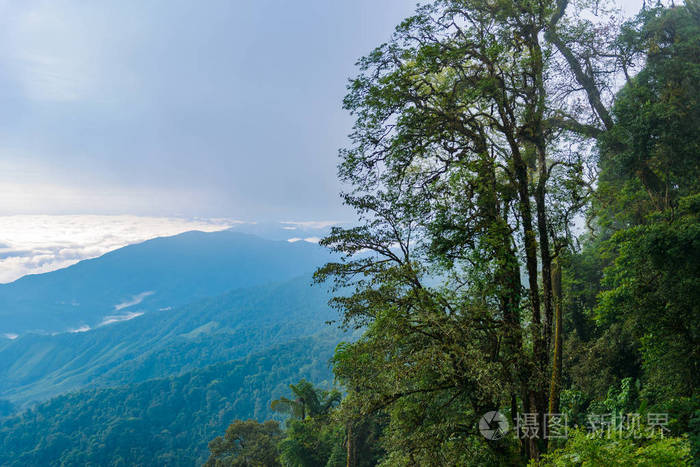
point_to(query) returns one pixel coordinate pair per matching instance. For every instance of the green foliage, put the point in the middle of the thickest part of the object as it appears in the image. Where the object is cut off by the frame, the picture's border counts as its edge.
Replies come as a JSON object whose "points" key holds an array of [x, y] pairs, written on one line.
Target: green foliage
{"points": [[653, 287], [313, 442], [584, 450], [309, 401], [316, 434], [162, 421], [313, 436], [695, 435], [649, 160], [246, 443]]}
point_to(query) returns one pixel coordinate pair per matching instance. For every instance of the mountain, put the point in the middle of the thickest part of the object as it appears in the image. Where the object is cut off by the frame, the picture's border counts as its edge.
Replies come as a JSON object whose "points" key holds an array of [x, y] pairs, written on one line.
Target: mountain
{"points": [[157, 274], [204, 328], [163, 421], [162, 343], [287, 230]]}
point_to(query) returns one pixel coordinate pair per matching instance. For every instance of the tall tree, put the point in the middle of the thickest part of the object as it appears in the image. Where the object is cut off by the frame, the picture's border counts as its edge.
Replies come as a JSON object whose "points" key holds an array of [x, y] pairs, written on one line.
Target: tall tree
{"points": [[467, 167]]}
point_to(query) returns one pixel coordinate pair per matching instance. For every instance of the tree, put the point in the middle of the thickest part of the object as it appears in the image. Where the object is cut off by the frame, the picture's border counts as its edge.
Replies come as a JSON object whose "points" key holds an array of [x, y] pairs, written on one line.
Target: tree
{"points": [[468, 163], [647, 202], [636, 281], [309, 401], [312, 437], [648, 161], [653, 289], [246, 444]]}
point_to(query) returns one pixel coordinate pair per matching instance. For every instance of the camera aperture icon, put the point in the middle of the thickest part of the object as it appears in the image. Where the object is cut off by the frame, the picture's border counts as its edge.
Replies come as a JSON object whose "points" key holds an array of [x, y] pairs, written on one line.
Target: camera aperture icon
{"points": [[493, 425]]}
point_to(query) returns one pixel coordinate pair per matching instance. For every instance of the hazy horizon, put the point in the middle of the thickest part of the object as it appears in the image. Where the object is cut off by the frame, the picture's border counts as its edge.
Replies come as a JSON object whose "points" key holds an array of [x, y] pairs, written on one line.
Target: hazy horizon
{"points": [[32, 244]]}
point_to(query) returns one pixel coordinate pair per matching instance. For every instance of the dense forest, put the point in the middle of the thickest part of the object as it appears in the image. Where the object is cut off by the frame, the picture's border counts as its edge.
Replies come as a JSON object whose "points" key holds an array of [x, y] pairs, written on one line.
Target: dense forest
{"points": [[154, 390], [162, 343], [527, 174], [162, 421]]}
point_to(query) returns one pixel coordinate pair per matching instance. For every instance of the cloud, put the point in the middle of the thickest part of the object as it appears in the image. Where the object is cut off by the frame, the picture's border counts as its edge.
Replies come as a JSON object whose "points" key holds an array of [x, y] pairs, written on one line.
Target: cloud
{"points": [[37, 244], [309, 224], [135, 300], [307, 239], [117, 318]]}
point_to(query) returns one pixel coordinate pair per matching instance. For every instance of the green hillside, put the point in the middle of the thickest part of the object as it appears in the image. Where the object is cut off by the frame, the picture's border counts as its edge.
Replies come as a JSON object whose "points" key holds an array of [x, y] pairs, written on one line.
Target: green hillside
{"points": [[164, 272], [162, 343], [165, 421]]}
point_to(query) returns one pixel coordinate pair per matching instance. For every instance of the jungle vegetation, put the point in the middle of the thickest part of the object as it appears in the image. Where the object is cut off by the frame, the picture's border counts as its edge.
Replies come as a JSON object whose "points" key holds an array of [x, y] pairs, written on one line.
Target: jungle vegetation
{"points": [[527, 178]]}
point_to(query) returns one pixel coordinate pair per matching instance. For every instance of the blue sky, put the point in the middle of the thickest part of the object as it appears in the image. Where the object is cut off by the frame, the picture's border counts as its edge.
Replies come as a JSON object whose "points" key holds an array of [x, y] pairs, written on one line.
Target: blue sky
{"points": [[213, 109]]}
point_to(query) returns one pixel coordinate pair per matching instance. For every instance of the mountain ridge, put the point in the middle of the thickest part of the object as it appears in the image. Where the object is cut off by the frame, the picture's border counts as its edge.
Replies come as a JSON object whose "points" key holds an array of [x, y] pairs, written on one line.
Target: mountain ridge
{"points": [[34, 367], [161, 421], [158, 273]]}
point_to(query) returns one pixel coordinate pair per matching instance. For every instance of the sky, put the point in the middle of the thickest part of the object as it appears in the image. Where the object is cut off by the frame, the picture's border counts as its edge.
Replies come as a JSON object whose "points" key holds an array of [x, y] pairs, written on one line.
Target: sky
{"points": [[180, 108], [123, 120]]}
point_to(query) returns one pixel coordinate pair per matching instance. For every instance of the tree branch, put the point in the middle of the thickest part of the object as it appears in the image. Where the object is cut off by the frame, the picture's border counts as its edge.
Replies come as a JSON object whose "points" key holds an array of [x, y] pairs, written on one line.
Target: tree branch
{"points": [[582, 77], [572, 125]]}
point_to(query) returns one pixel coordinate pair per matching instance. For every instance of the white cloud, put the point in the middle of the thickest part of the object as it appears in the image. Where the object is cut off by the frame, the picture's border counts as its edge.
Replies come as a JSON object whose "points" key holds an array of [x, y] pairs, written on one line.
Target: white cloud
{"points": [[135, 300], [84, 328], [11, 336], [312, 239], [310, 224], [35, 244], [117, 318]]}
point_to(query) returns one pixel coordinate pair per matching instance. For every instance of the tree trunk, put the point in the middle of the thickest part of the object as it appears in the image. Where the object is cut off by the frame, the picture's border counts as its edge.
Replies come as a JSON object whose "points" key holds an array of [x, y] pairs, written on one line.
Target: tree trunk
{"points": [[351, 458], [555, 384]]}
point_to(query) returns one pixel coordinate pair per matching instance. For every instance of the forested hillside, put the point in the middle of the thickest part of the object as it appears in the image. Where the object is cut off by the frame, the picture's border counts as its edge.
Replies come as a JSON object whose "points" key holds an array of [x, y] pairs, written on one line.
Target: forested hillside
{"points": [[165, 421], [528, 179], [160, 273], [163, 343]]}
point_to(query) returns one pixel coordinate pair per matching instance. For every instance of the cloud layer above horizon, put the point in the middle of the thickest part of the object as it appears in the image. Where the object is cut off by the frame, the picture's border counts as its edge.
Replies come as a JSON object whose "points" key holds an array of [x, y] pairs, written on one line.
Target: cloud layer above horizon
{"points": [[34, 244]]}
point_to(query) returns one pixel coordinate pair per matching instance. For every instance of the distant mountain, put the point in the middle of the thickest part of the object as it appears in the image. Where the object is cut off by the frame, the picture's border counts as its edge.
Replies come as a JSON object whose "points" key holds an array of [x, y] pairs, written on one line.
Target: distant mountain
{"points": [[163, 343], [287, 230], [158, 274], [165, 421], [174, 339]]}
